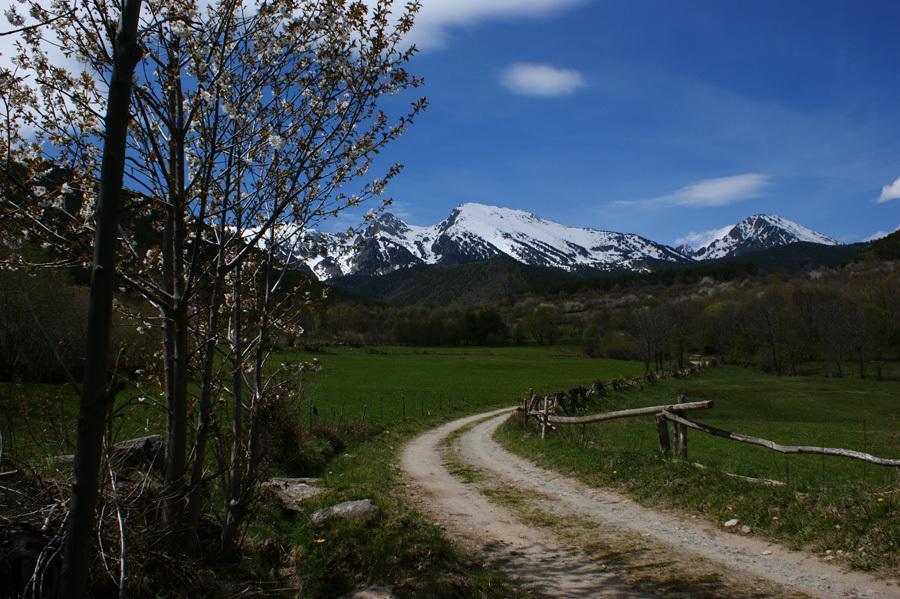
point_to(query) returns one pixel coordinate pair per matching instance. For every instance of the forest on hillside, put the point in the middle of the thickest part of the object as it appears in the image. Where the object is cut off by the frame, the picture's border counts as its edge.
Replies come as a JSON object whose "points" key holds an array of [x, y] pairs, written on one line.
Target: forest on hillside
{"points": [[776, 322]]}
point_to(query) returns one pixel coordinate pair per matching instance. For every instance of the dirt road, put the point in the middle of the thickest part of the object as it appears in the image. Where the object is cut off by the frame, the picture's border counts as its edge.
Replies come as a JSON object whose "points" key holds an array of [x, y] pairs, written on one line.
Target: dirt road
{"points": [[554, 565]]}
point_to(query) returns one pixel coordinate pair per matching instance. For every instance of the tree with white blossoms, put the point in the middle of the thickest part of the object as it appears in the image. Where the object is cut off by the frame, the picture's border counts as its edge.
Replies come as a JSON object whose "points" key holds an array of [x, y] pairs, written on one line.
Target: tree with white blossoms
{"points": [[248, 123]]}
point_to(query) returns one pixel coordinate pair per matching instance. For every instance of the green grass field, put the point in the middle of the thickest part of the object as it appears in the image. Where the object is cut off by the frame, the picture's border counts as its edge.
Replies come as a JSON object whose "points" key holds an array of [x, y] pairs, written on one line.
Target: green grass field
{"points": [[379, 384]]}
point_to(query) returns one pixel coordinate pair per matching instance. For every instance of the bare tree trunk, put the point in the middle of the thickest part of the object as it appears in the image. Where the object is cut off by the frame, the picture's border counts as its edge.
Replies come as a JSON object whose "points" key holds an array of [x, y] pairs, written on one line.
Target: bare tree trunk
{"points": [[243, 484], [177, 323], [95, 397], [233, 496], [195, 496]]}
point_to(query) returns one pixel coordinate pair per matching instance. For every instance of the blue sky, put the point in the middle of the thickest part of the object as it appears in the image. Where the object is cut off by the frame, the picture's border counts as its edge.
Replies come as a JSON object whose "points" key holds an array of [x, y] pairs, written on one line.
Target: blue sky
{"points": [[656, 117]]}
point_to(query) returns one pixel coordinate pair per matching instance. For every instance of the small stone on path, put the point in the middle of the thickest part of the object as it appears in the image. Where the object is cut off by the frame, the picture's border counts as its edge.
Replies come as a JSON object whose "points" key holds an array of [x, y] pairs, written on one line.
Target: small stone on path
{"points": [[732, 523]]}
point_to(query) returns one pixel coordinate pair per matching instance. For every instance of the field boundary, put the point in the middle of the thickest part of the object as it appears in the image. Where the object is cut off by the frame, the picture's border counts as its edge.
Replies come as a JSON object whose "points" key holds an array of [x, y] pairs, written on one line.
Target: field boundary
{"points": [[544, 408], [805, 449]]}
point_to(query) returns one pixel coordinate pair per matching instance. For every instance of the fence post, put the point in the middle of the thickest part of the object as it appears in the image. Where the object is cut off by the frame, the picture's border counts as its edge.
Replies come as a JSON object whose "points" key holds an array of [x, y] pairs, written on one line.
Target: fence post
{"points": [[545, 416], [662, 430], [681, 434]]}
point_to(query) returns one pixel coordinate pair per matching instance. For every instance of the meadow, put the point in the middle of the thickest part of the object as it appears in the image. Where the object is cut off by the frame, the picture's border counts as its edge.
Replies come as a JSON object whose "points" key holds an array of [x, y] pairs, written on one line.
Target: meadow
{"points": [[380, 385]]}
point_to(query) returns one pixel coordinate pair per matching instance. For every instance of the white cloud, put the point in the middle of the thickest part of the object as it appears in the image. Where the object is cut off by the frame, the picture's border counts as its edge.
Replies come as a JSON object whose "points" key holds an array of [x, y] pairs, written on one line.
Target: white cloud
{"points": [[541, 80], [437, 16], [880, 235], [890, 192], [711, 193], [704, 238]]}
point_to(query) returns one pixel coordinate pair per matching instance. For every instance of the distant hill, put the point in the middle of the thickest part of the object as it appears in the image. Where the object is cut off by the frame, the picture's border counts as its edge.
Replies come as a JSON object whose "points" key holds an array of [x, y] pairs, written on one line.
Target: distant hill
{"points": [[800, 256], [490, 281], [497, 280], [887, 248]]}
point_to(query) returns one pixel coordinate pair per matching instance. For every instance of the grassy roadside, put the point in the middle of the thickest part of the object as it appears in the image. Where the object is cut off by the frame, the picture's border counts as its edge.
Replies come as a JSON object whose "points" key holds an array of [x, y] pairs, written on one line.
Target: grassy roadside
{"points": [[396, 547], [841, 509]]}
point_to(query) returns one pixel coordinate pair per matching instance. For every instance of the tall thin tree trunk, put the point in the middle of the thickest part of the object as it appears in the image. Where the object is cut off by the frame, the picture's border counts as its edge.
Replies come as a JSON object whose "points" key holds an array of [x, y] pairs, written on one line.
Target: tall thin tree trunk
{"points": [[95, 397], [242, 487], [195, 496], [233, 496], [177, 323]]}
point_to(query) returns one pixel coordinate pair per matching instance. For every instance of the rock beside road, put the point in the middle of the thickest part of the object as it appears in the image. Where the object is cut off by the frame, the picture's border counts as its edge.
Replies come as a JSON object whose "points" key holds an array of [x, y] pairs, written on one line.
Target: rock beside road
{"points": [[142, 452], [371, 593], [349, 510], [291, 493]]}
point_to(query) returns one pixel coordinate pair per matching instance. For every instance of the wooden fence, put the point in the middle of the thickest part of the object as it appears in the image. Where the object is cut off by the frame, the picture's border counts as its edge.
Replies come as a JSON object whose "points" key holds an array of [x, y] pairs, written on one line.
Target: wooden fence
{"points": [[543, 409]]}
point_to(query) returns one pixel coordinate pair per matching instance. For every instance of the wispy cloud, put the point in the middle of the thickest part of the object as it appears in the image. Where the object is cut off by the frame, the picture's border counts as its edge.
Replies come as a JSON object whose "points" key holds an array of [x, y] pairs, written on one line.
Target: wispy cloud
{"points": [[890, 192], [880, 234], [704, 238], [437, 17], [541, 80], [710, 193]]}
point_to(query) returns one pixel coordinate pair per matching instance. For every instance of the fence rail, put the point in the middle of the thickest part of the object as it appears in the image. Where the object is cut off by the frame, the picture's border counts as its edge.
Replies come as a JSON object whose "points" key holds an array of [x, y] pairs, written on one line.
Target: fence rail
{"points": [[807, 449], [543, 409], [648, 411]]}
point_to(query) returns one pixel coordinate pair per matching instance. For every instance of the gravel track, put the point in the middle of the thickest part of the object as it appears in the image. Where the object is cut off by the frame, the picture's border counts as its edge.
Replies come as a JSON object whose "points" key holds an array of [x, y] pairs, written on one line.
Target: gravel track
{"points": [[549, 568]]}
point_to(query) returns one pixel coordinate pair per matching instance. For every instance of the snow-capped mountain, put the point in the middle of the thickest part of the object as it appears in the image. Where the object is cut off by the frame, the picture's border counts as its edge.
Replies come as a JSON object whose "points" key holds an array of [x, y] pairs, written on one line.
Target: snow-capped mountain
{"points": [[476, 232], [757, 232]]}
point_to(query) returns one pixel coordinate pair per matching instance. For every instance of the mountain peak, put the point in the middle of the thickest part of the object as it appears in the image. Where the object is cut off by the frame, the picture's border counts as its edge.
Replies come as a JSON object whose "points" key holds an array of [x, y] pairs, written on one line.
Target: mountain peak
{"points": [[754, 233]]}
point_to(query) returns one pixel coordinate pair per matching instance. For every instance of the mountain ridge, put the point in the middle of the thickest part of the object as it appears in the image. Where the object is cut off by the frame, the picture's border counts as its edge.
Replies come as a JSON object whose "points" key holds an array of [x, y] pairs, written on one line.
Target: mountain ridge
{"points": [[475, 232]]}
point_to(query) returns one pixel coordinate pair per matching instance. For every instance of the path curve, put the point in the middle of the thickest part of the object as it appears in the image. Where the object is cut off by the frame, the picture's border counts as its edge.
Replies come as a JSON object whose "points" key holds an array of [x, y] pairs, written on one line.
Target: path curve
{"points": [[526, 553], [554, 570]]}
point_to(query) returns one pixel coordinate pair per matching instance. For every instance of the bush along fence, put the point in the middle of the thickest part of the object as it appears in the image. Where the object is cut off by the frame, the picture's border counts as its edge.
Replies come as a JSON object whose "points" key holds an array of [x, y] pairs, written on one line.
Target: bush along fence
{"points": [[544, 410]]}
